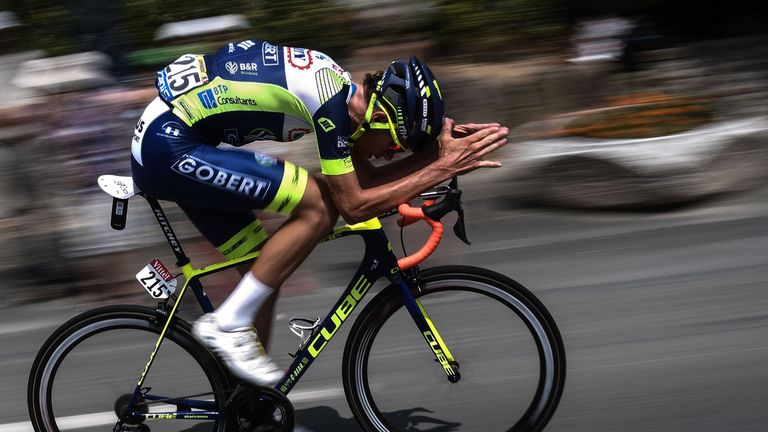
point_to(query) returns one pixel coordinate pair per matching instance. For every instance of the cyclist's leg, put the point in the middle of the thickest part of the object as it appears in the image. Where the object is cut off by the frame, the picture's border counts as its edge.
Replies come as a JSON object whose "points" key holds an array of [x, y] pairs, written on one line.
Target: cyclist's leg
{"points": [[217, 189], [311, 220], [312, 216], [173, 163], [287, 189], [235, 234]]}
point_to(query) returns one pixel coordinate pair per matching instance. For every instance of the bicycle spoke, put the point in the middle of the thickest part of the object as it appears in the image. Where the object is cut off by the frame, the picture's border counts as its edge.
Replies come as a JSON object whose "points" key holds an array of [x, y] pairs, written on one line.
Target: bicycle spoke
{"points": [[511, 358], [106, 367], [100, 360], [490, 344]]}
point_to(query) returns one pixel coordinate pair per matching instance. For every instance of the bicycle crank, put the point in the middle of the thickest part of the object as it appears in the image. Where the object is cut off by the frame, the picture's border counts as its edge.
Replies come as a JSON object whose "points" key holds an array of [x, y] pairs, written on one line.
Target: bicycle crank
{"points": [[120, 427], [258, 409], [124, 414]]}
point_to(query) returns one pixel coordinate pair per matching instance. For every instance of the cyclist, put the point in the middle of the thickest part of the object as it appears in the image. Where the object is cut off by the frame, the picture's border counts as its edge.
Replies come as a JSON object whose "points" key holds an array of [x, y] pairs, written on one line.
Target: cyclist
{"points": [[253, 90]]}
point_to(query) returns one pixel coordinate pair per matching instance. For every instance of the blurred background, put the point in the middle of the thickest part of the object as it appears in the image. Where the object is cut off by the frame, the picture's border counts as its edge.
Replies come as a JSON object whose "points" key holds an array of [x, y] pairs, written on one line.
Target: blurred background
{"points": [[632, 198]]}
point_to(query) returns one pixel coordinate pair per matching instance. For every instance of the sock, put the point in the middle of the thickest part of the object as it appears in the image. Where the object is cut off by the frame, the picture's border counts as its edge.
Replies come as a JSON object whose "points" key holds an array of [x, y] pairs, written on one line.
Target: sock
{"points": [[239, 309]]}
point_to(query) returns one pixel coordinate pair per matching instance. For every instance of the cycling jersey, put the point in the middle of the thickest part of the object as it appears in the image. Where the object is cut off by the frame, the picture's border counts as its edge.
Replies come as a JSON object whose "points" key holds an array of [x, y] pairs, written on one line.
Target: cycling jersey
{"points": [[247, 92], [253, 90]]}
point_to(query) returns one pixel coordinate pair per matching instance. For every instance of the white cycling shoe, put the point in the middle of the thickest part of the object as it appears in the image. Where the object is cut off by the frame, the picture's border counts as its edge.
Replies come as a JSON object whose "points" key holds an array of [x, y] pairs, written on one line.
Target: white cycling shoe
{"points": [[240, 349]]}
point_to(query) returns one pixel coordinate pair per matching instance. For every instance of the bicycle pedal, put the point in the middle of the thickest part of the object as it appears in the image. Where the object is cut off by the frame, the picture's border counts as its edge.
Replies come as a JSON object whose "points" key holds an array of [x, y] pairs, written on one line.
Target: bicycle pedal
{"points": [[303, 328]]}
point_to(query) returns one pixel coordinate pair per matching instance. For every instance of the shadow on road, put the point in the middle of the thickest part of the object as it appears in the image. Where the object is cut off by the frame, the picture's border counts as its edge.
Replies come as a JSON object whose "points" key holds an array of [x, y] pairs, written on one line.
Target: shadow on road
{"points": [[325, 418]]}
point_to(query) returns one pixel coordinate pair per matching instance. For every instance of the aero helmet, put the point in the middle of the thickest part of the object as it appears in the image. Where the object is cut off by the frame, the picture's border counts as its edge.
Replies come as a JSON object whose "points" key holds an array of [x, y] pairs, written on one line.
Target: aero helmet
{"points": [[410, 97]]}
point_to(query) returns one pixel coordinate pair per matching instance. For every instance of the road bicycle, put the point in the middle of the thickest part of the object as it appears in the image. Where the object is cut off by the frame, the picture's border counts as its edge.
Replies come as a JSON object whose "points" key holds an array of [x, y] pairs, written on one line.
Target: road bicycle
{"points": [[484, 353]]}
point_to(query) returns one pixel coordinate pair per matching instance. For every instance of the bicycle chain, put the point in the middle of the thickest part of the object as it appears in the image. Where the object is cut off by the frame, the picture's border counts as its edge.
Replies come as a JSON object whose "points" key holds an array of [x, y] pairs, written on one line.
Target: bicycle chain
{"points": [[251, 409]]}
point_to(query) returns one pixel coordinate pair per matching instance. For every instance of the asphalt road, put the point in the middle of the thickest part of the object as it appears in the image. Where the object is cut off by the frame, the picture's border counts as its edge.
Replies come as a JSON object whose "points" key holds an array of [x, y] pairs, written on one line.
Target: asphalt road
{"points": [[664, 318]]}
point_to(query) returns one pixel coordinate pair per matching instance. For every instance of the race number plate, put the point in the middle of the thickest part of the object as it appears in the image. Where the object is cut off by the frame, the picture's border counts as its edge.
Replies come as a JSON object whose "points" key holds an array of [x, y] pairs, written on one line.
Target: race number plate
{"points": [[181, 76], [157, 280]]}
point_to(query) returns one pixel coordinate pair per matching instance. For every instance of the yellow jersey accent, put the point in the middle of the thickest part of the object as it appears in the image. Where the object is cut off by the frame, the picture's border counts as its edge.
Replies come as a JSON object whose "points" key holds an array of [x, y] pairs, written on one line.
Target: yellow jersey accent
{"points": [[291, 190], [336, 166], [244, 241], [220, 96], [371, 224], [326, 124]]}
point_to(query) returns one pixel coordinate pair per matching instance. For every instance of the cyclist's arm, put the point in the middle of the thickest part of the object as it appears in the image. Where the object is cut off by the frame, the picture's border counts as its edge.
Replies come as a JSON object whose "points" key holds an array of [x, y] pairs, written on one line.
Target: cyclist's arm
{"points": [[370, 175], [456, 156], [356, 204]]}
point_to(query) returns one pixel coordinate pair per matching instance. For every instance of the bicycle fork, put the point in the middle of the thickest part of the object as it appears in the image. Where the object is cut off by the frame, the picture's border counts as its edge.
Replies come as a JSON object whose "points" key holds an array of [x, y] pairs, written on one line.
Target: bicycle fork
{"points": [[428, 330]]}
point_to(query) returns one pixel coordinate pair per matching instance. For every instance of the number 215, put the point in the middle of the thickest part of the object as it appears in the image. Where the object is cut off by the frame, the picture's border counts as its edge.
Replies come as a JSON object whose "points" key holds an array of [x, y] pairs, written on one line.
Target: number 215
{"points": [[156, 285], [180, 79]]}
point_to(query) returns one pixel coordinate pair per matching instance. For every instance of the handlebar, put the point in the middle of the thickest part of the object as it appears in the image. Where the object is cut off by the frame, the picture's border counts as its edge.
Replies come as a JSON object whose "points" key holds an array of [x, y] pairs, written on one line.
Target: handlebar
{"points": [[413, 214], [431, 212], [404, 220]]}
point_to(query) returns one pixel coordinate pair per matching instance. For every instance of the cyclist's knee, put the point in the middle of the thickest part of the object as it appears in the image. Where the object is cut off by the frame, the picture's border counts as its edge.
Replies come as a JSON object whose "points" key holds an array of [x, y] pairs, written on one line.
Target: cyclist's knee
{"points": [[316, 206]]}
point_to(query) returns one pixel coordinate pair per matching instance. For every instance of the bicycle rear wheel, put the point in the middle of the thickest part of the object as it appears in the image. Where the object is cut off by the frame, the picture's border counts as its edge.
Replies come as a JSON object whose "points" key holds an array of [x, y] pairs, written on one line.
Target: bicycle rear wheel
{"points": [[92, 363], [510, 354]]}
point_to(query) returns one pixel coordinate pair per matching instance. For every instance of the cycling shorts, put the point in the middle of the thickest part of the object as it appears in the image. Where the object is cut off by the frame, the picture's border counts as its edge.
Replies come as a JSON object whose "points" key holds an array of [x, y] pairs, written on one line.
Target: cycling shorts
{"points": [[218, 188]]}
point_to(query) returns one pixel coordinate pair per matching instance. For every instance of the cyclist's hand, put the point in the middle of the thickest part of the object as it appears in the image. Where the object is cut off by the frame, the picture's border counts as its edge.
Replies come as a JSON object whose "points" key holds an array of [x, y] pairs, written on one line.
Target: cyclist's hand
{"points": [[466, 153], [464, 130]]}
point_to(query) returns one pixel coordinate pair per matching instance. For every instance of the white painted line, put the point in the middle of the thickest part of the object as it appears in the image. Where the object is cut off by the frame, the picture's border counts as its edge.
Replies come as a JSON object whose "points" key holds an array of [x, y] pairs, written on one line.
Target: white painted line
{"points": [[67, 423], [109, 418], [17, 427], [87, 420], [300, 396]]}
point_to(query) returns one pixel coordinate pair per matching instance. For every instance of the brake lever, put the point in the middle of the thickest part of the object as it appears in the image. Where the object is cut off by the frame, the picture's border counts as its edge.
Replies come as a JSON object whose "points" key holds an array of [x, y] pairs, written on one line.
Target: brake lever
{"points": [[450, 202], [458, 228]]}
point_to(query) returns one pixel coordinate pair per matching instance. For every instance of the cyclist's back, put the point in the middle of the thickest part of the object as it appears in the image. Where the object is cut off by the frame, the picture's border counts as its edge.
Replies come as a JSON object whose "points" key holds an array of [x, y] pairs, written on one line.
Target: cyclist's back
{"points": [[248, 91], [253, 90]]}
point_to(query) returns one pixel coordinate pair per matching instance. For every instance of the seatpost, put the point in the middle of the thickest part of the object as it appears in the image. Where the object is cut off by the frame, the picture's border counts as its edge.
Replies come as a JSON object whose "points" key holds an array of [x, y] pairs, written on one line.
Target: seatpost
{"points": [[170, 236]]}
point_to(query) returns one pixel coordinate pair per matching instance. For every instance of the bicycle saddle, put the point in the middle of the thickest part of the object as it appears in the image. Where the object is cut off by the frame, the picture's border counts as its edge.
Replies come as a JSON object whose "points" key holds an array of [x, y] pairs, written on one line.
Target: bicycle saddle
{"points": [[117, 186]]}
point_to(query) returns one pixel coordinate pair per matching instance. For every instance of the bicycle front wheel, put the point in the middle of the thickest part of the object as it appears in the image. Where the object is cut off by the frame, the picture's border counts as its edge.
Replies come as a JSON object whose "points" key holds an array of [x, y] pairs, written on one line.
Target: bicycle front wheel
{"points": [[89, 368], [509, 352]]}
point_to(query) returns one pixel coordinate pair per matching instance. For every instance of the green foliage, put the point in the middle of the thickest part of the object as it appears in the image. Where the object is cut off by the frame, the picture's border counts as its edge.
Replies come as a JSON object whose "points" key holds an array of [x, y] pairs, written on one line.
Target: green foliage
{"points": [[44, 25], [463, 29], [489, 29], [74, 25], [466, 28], [140, 19]]}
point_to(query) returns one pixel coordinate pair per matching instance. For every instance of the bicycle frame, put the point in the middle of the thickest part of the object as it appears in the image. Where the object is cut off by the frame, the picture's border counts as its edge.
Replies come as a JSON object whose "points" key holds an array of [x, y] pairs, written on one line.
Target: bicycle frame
{"points": [[378, 261]]}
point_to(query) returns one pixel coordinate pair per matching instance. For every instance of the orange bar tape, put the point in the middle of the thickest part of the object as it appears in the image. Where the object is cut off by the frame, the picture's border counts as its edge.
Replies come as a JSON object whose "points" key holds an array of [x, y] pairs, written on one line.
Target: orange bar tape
{"points": [[413, 214]]}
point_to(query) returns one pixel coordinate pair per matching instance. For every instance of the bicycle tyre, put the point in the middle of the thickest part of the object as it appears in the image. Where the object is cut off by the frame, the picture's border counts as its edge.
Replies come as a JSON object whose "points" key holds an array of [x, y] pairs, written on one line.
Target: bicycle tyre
{"points": [[463, 279], [124, 317]]}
